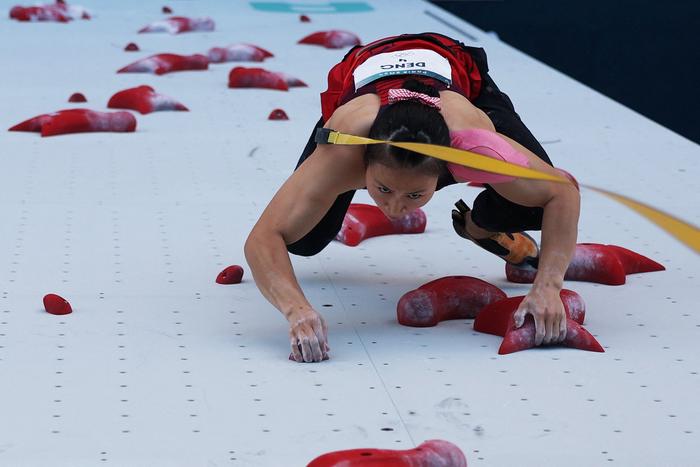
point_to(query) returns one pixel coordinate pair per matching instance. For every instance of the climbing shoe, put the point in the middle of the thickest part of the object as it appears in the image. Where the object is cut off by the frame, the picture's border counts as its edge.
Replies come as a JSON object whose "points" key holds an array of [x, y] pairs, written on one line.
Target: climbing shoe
{"points": [[518, 249]]}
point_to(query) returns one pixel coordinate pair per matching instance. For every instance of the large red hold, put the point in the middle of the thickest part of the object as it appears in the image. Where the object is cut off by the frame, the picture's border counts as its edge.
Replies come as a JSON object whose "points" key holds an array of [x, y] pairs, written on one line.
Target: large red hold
{"points": [[497, 318], [59, 12], [56, 305], [230, 275], [363, 221], [242, 77], [167, 63], [238, 53], [143, 99], [593, 262], [433, 453], [179, 24], [78, 121], [334, 39], [452, 297]]}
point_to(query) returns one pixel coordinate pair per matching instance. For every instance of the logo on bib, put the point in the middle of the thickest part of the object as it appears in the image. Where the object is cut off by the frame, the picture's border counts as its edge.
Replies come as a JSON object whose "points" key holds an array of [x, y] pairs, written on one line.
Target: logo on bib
{"points": [[403, 62]]}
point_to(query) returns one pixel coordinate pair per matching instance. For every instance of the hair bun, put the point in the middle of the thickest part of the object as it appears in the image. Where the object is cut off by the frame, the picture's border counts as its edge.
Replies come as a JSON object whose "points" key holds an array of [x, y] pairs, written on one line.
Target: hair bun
{"points": [[414, 85]]}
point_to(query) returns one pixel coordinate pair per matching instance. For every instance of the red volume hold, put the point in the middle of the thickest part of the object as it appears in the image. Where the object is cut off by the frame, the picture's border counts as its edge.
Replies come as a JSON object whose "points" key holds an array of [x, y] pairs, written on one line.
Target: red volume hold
{"points": [[333, 39], [56, 305], [59, 12], [78, 121], [363, 221], [238, 53], [161, 64], [452, 297], [593, 262], [497, 318], [243, 77], [143, 99], [230, 275], [433, 453], [179, 24]]}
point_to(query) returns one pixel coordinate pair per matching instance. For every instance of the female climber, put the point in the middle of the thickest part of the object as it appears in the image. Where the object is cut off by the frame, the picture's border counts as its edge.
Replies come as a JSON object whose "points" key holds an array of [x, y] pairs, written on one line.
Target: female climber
{"points": [[424, 88]]}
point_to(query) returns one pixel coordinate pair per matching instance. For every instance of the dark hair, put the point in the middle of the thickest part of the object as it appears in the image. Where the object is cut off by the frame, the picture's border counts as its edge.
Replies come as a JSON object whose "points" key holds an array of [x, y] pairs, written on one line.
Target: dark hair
{"points": [[410, 121]]}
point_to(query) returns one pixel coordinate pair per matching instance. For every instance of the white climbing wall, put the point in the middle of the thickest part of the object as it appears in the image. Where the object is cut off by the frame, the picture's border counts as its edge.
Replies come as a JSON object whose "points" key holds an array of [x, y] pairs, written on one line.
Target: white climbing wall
{"points": [[160, 366]]}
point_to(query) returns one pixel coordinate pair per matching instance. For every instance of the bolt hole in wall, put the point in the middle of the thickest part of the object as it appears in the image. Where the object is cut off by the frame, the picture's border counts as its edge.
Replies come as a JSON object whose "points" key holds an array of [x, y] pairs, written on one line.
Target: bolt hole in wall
{"points": [[590, 41]]}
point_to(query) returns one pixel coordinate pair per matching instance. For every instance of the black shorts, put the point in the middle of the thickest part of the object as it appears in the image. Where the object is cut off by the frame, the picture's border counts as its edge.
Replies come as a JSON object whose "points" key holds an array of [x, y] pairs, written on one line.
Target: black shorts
{"points": [[491, 211]]}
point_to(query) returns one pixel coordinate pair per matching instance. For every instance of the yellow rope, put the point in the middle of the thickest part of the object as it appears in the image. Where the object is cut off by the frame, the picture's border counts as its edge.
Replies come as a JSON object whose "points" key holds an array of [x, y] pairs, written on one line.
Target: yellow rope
{"points": [[685, 232]]}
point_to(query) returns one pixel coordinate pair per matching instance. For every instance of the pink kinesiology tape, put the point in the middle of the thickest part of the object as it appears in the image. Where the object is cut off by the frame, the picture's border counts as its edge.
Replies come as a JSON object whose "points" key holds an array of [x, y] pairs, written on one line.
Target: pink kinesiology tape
{"points": [[487, 143], [491, 144]]}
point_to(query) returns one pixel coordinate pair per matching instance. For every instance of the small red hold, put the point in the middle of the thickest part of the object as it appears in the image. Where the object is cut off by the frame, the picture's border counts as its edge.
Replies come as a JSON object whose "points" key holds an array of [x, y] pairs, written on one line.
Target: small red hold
{"points": [[452, 297], [593, 262], [238, 53], [78, 121], [77, 97], [304, 19], [278, 114], [131, 47], [333, 39], [179, 24], [56, 305], [497, 318], [431, 453], [242, 77], [161, 64], [143, 99], [230, 275], [167, 10], [363, 221]]}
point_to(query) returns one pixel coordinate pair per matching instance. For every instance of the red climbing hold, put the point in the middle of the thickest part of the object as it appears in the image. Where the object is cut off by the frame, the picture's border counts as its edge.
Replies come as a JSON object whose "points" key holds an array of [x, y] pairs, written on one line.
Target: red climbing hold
{"points": [[433, 453], [230, 275], [278, 114], [304, 19], [77, 97], [593, 262], [78, 121], [178, 24], [58, 12], [291, 81], [497, 318], [143, 99], [363, 221], [334, 39], [56, 305], [131, 47], [242, 77], [166, 63], [452, 297], [167, 10], [238, 53]]}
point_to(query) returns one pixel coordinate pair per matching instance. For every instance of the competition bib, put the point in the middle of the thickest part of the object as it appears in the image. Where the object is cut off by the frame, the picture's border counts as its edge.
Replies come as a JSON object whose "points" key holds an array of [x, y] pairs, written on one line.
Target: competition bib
{"points": [[404, 62]]}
